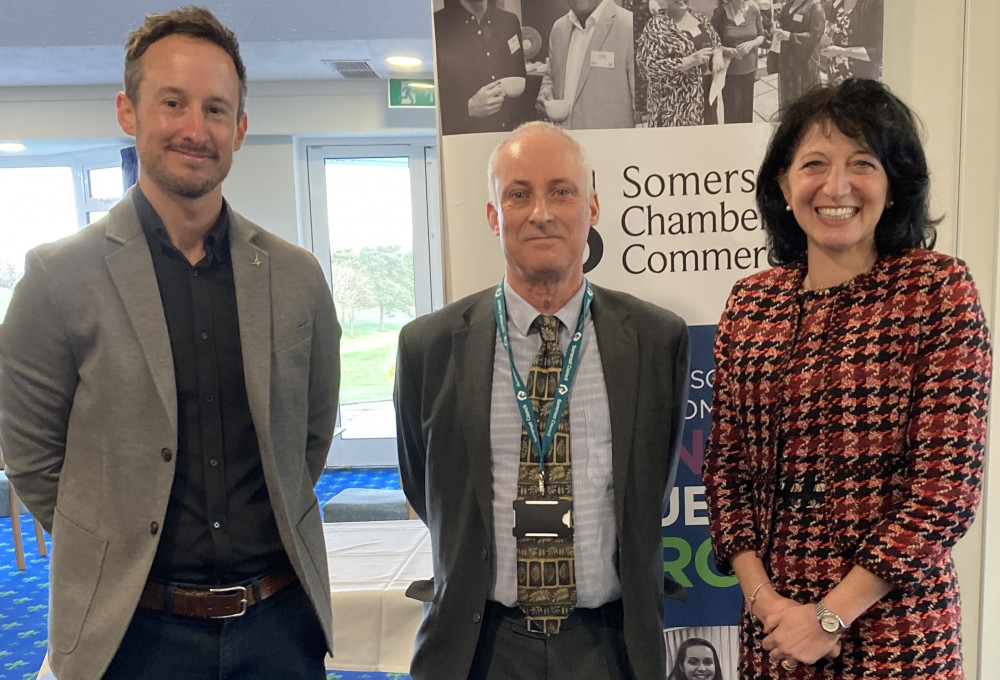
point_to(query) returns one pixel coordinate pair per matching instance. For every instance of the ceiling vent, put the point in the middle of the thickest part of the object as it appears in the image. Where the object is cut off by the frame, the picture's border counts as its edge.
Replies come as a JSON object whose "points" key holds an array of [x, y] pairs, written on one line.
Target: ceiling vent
{"points": [[352, 69]]}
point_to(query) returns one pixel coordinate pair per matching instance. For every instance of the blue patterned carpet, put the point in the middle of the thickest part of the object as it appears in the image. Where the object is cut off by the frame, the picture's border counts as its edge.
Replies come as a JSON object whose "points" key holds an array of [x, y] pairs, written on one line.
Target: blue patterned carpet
{"points": [[24, 594]]}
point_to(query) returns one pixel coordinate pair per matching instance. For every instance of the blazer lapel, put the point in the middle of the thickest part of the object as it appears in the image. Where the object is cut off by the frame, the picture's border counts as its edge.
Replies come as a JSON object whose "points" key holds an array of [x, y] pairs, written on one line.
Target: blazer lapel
{"points": [[474, 346], [252, 279], [619, 358], [131, 269]]}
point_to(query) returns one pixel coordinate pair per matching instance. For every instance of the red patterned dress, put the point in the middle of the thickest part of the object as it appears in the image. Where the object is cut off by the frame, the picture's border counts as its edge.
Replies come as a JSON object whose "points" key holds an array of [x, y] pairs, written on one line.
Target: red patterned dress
{"points": [[848, 429]]}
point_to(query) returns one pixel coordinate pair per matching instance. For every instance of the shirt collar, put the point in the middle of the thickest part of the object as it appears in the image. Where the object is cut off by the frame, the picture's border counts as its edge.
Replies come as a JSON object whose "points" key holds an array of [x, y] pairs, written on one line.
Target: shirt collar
{"points": [[594, 17], [521, 314], [738, 19], [216, 240]]}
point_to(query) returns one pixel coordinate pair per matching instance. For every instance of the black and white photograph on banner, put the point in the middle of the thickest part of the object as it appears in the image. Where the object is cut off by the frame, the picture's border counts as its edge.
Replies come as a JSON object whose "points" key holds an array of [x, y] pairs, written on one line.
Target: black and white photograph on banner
{"points": [[501, 63], [613, 64], [702, 653], [706, 62]]}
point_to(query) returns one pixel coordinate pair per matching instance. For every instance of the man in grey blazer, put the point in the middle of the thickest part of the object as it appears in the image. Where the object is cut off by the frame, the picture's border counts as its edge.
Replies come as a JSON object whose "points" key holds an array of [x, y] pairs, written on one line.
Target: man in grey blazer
{"points": [[459, 429], [592, 65], [168, 392]]}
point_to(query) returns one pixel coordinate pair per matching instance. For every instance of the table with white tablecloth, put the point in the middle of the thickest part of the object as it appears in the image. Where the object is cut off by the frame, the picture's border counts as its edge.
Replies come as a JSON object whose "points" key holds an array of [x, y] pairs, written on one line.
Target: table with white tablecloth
{"points": [[371, 565]]}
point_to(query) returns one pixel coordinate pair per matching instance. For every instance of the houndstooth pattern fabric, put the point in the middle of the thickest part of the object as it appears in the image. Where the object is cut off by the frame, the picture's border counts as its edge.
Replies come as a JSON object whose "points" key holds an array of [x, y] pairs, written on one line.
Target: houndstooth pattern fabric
{"points": [[852, 421]]}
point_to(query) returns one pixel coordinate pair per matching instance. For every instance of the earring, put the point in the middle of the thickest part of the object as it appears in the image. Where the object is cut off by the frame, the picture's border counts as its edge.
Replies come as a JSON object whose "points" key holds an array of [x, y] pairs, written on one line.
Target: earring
{"points": [[889, 204], [788, 208]]}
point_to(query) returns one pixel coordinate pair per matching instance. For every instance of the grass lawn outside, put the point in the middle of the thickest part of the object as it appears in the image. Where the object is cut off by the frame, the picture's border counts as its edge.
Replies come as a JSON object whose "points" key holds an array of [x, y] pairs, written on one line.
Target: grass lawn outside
{"points": [[368, 360]]}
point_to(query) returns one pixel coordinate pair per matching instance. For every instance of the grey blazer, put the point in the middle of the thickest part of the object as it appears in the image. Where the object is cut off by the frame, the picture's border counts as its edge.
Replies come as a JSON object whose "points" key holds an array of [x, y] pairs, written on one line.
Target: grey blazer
{"points": [[443, 397], [605, 95], [88, 411]]}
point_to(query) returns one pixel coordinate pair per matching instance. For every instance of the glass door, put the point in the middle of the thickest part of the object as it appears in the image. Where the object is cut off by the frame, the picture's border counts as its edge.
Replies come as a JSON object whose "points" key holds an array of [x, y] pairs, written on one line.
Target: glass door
{"points": [[372, 209]]}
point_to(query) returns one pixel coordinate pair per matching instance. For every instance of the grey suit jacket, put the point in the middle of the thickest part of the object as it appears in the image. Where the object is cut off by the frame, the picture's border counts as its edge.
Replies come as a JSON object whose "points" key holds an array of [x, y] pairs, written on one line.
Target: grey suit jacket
{"points": [[604, 97], [88, 409], [443, 397]]}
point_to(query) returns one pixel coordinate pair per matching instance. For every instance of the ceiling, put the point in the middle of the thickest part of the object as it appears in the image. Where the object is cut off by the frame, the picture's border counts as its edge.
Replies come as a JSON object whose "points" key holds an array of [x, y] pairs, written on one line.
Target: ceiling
{"points": [[68, 42]]}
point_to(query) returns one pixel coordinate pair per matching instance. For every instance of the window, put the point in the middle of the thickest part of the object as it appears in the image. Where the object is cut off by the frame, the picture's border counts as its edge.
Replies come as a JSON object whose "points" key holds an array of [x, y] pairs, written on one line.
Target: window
{"points": [[47, 197], [374, 224]]}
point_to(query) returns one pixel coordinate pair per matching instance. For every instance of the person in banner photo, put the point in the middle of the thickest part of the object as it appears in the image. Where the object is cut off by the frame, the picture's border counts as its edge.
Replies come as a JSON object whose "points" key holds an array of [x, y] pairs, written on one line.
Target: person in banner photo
{"points": [[678, 52], [696, 660], [799, 30], [857, 50], [539, 424], [845, 456], [591, 69], [168, 393], [741, 29], [481, 71]]}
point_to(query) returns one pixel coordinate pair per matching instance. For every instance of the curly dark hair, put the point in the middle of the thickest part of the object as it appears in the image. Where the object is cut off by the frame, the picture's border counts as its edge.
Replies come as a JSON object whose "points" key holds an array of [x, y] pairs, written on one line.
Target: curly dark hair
{"points": [[677, 670], [194, 22], [866, 111]]}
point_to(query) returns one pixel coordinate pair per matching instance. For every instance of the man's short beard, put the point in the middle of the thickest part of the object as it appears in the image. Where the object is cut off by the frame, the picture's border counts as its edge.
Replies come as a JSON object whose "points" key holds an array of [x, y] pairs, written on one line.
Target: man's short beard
{"points": [[185, 188]]}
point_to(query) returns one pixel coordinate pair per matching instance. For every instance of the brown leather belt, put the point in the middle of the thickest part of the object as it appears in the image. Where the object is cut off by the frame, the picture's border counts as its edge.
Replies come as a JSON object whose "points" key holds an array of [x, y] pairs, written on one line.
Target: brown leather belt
{"points": [[214, 603]]}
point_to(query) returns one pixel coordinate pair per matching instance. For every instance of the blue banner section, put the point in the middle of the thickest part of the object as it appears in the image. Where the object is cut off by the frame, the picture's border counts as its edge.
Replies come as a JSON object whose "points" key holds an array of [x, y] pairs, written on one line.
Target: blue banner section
{"points": [[710, 598]]}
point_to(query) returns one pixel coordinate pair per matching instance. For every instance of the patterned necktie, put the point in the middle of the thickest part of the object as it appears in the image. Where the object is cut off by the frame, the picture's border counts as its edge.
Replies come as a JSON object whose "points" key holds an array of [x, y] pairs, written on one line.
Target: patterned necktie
{"points": [[546, 578]]}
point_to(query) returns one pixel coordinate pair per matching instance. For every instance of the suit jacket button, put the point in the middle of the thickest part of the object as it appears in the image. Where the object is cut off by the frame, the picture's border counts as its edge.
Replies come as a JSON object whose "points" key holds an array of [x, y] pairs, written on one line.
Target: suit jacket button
{"points": [[484, 554], [477, 617], [154, 528], [167, 454]]}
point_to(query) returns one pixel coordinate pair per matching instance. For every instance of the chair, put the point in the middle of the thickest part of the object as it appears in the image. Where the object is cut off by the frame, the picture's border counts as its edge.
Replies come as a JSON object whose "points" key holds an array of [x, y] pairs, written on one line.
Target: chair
{"points": [[13, 508]]}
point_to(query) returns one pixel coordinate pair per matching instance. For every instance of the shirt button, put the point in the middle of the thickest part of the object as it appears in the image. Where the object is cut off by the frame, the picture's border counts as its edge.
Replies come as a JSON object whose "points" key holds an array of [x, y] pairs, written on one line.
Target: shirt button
{"points": [[213, 462], [194, 273], [487, 54], [154, 528], [216, 525], [484, 554], [210, 399], [167, 454], [477, 617], [204, 335]]}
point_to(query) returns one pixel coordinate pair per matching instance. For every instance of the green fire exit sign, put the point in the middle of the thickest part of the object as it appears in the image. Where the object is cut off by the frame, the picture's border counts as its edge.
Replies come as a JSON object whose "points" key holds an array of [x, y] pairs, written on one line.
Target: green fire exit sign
{"points": [[411, 93]]}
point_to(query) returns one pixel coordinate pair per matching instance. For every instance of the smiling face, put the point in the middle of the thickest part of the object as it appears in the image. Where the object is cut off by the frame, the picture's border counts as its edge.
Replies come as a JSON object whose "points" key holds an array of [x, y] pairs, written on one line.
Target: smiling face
{"points": [[699, 663], [837, 190], [542, 210], [185, 118]]}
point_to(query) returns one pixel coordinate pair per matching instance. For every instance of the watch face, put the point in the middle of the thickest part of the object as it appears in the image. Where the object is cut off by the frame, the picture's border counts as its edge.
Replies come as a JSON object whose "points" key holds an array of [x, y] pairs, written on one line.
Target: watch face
{"points": [[829, 623]]}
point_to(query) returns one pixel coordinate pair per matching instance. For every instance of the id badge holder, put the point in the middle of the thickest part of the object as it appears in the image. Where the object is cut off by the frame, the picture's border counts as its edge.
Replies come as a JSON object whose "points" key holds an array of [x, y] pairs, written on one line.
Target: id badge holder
{"points": [[543, 518]]}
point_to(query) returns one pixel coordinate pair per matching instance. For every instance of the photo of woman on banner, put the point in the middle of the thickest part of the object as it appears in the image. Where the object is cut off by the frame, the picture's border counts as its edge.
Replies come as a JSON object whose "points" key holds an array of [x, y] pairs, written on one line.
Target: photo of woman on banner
{"points": [[741, 29], [845, 455], [481, 70], [857, 50], [678, 52], [696, 659], [799, 29]]}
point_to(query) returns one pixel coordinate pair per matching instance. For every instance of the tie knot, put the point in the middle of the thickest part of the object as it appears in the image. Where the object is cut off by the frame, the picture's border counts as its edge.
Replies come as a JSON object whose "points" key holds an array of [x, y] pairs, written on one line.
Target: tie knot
{"points": [[548, 327]]}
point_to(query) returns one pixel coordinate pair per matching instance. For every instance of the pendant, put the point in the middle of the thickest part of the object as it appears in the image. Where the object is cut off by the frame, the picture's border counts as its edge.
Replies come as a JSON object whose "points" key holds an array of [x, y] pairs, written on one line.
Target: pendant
{"points": [[541, 482]]}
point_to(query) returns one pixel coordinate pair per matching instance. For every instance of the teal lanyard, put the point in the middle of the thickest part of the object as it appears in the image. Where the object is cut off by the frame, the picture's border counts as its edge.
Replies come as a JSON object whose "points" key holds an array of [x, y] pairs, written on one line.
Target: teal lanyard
{"points": [[570, 364]]}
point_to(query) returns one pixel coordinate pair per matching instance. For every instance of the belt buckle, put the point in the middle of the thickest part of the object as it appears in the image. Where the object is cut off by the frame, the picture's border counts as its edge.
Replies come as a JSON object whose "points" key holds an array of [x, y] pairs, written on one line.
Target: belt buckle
{"points": [[231, 589]]}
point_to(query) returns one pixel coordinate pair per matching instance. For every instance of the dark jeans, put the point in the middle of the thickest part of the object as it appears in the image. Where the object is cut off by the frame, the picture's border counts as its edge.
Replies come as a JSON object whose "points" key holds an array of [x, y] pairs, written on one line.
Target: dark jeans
{"points": [[277, 638], [589, 646]]}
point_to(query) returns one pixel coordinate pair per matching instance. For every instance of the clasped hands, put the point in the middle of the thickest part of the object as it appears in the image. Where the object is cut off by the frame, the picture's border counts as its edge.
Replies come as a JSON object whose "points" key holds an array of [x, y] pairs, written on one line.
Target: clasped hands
{"points": [[793, 633]]}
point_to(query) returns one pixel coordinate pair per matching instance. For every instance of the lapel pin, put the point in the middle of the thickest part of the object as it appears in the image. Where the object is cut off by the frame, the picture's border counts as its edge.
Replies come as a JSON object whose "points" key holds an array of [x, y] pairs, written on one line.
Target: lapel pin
{"points": [[255, 261]]}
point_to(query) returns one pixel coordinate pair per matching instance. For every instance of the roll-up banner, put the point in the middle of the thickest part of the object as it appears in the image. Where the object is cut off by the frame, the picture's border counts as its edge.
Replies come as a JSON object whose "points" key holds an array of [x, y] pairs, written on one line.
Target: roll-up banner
{"points": [[675, 145]]}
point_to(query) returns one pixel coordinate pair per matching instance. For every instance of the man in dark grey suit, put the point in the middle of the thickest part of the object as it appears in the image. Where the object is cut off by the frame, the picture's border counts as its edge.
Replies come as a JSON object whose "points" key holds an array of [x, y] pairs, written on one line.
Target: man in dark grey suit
{"points": [[471, 475], [168, 391]]}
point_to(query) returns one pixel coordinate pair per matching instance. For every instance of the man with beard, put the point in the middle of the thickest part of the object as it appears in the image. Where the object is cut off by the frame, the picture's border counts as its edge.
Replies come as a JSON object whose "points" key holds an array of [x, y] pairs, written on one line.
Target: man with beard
{"points": [[168, 391]]}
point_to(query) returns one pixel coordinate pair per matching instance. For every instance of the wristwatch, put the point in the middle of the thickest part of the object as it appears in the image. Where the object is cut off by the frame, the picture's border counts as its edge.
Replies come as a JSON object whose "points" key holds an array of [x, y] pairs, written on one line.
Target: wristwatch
{"points": [[829, 621]]}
